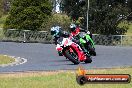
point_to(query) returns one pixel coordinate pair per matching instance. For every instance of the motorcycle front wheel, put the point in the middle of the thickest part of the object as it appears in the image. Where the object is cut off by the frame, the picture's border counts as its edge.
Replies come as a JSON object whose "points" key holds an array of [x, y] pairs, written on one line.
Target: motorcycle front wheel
{"points": [[73, 57], [91, 50]]}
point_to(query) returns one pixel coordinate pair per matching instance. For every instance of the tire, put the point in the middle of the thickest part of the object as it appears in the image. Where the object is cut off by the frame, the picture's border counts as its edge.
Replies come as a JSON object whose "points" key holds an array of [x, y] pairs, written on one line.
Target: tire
{"points": [[91, 50], [71, 58], [88, 59], [93, 53]]}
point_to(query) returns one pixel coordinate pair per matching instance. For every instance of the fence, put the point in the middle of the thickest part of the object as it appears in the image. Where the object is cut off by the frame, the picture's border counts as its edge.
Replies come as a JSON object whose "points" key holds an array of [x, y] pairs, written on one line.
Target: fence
{"points": [[45, 37], [123, 40], [26, 36]]}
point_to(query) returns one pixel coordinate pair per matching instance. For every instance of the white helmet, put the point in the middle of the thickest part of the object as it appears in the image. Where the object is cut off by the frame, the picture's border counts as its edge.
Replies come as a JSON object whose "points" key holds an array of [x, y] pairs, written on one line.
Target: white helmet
{"points": [[55, 30]]}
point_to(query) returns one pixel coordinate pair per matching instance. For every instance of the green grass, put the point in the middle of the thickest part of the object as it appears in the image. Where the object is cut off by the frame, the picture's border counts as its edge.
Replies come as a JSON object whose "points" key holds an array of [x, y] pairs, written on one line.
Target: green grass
{"points": [[6, 59], [58, 80]]}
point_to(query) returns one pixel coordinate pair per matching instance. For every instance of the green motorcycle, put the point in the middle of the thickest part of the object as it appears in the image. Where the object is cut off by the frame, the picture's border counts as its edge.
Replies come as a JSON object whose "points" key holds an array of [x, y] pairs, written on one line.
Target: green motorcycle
{"points": [[86, 43]]}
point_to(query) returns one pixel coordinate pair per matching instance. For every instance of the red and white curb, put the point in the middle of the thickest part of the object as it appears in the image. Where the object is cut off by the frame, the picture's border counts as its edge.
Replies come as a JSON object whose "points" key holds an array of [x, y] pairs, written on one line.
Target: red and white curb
{"points": [[18, 61]]}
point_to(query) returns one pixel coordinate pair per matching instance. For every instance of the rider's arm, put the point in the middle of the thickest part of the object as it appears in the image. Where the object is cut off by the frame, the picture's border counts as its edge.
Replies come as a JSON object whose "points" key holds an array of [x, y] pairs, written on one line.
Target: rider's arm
{"points": [[65, 34], [55, 40], [75, 40], [88, 32]]}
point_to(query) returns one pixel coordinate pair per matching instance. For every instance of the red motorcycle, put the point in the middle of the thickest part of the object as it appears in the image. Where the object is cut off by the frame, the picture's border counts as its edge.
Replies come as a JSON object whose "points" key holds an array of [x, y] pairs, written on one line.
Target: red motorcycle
{"points": [[72, 51]]}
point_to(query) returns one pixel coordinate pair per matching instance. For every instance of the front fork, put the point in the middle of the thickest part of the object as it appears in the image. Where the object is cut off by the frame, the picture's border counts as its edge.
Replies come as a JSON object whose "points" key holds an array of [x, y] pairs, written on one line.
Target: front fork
{"points": [[59, 50], [90, 39]]}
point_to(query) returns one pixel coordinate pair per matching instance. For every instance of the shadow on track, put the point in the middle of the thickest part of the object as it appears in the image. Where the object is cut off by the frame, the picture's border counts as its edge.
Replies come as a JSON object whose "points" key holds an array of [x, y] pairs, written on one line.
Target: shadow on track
{"points": [[64, 60]]}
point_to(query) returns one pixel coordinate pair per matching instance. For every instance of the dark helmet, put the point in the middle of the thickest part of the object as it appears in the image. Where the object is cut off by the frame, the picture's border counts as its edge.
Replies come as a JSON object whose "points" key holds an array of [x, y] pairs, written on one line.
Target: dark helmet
{"points": [[72, 27]]}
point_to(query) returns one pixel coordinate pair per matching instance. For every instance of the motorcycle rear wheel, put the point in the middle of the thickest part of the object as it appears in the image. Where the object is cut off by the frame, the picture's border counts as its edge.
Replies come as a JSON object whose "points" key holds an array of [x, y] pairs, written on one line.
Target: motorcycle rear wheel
{"points": [[88, 59], [91, 50]]}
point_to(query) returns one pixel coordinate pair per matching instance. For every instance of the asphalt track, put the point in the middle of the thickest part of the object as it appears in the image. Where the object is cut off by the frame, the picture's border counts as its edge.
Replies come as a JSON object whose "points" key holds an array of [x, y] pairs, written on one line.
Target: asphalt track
{"points": [[41, 57]]}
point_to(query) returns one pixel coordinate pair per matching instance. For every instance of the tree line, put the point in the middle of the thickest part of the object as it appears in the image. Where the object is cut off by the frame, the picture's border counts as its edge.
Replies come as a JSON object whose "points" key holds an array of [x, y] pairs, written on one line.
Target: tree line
{"points": [[104, 15]]}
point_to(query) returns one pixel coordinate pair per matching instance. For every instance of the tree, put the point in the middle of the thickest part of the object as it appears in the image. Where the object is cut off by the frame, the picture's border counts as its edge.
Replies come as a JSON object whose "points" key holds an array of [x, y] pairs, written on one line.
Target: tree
{"points": [[56, 19], [4, 7], [73, 8], [104, 15], [107, 16], [1, 7], [28, 14], [129, 2]]}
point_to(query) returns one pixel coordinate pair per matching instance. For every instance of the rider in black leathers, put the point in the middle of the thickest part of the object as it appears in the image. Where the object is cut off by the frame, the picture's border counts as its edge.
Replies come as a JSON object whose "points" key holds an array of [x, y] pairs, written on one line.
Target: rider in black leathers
{"points": [[56, 32]]}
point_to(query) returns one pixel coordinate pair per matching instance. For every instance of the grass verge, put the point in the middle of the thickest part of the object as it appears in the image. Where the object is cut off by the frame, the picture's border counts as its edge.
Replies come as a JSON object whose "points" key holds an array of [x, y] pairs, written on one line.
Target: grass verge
{"points": [[6, 59], [60, 79]]}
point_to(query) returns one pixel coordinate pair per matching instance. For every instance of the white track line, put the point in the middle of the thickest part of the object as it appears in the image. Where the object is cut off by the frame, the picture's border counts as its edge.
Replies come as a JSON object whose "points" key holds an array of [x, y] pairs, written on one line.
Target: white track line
{"points": [[18, 61]]}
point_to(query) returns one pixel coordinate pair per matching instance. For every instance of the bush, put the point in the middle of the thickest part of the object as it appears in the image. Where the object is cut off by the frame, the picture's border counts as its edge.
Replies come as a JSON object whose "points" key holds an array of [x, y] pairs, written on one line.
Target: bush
{"points": [[56, 19]]}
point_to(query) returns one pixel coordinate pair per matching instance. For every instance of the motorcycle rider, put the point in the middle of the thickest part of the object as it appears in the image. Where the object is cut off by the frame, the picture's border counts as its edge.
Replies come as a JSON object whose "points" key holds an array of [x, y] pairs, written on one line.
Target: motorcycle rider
{"points": [[75, 30], [56, 32]]}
